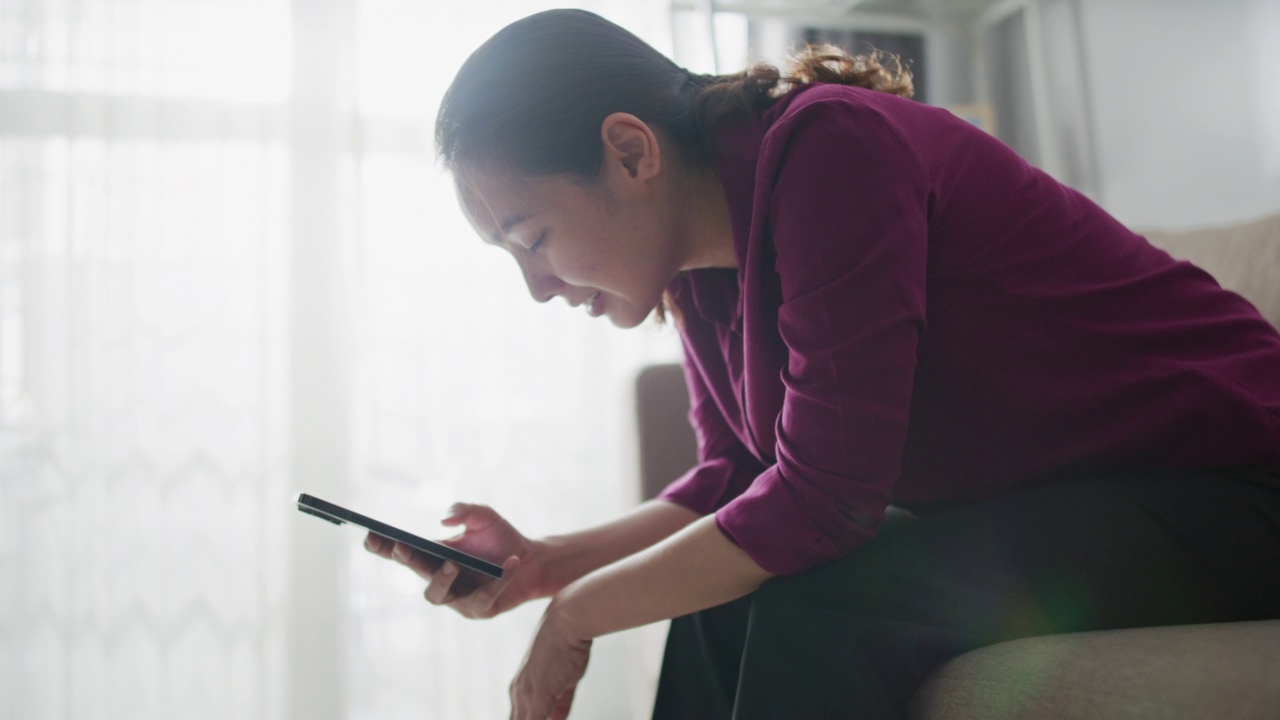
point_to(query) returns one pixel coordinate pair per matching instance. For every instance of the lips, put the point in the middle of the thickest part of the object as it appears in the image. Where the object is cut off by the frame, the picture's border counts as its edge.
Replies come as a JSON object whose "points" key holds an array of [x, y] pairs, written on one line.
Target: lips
{"points": [[591, 303]]}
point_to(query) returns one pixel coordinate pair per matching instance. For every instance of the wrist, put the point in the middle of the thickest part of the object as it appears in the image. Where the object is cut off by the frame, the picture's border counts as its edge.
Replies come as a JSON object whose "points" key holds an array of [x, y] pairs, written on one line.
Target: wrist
{"points": [[570, 616], [553, 555]]}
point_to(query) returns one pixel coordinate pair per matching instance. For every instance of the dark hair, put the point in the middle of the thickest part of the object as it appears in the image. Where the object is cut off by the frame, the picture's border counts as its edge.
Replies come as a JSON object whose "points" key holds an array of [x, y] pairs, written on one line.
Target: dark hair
{"points": [[532, 98]]}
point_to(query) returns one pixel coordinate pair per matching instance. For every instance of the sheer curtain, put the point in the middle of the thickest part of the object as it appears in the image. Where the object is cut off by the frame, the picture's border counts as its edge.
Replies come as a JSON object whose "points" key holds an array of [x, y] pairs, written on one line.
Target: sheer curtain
{"points": [[230, 271]]}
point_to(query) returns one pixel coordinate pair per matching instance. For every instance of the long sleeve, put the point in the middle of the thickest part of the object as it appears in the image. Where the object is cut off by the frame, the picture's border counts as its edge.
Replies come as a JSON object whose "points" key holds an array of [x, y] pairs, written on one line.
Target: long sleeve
{"points": [[725, 467], [847, 221]]}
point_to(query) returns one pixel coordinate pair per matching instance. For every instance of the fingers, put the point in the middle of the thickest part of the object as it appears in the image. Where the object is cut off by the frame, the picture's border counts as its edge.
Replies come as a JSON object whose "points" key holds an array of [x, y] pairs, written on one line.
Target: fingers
{"points": [[471, 594], [424, 565], [487, 601], [528, 703], [471, 602], [457, 514], [401, 553], [437, 592], [473, 517], [378, 545]]}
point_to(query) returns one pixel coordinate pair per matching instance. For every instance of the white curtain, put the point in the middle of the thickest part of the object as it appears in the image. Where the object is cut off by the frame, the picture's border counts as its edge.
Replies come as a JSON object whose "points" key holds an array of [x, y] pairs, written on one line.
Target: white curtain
{"points": [[230, 271]]}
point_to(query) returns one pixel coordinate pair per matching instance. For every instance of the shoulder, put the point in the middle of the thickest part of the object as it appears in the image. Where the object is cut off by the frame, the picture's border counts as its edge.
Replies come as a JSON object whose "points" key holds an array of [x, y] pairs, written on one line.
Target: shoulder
{"points": [[856, 117], [846, 135], [842, 120], [836, 105], [823, 96]]}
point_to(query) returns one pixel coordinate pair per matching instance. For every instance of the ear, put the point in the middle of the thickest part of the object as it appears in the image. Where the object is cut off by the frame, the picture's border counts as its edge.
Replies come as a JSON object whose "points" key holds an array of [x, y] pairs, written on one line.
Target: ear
{"points": [[630, 147]]}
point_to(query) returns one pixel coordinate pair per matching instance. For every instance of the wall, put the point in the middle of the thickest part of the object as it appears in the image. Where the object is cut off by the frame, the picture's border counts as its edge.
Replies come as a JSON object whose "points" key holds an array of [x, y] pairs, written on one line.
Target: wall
{"points": [[1186, 102]]}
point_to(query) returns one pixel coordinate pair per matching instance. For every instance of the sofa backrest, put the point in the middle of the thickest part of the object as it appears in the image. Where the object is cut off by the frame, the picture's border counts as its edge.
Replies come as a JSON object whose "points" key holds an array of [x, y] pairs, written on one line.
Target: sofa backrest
{"points": [[1242, 258], [668, 447]]}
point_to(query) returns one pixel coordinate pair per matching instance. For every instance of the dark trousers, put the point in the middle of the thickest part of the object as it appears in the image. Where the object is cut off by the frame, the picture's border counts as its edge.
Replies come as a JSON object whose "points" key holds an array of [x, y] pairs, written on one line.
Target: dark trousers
{"points": [[856, 636]]}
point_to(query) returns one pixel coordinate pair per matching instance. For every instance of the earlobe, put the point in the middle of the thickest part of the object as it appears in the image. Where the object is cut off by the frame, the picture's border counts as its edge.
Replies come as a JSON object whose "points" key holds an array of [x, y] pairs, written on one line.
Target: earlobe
{"points": [[631, 145]]}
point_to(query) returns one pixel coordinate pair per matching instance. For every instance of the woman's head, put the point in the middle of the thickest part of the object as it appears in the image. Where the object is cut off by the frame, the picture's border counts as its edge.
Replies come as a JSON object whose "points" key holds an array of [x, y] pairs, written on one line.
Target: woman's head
{"points": [[611, 245], [556, 106], [570, 141], [532, 98]]}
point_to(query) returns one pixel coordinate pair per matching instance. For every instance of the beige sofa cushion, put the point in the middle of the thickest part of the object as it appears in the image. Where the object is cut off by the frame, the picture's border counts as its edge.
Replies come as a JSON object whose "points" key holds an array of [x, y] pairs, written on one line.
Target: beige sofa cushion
{"points": [[1244, 258], [1191, 672]]}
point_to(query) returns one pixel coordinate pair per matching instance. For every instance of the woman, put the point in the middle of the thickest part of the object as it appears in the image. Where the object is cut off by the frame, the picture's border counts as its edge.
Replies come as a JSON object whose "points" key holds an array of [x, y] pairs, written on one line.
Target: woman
{"points": [[879, 304]]}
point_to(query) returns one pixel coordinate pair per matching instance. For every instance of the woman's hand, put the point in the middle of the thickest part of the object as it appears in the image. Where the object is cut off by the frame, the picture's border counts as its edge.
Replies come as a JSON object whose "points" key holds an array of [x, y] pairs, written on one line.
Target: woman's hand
{"points": [[696, 568], [485, 534], [545, 685]]}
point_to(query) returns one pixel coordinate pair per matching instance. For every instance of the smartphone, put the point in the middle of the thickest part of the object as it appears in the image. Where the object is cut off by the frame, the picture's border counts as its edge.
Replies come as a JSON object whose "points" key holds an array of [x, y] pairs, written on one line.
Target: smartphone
{"points": [[338, 515]]}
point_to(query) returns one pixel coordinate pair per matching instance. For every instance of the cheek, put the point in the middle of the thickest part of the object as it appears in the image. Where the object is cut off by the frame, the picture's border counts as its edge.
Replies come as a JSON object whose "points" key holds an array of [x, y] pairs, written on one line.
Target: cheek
{"points": [[594, 266], [596, 259]]}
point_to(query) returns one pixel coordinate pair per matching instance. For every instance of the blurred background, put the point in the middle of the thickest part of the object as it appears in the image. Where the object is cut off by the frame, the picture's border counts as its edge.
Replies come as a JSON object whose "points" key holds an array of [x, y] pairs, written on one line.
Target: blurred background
{"points": [[230, 271]]}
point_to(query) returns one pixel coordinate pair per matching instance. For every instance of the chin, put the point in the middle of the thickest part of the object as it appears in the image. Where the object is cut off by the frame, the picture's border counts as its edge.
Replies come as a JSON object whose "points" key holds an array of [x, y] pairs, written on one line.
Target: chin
{"points": [[628, 318], [626, 323]]}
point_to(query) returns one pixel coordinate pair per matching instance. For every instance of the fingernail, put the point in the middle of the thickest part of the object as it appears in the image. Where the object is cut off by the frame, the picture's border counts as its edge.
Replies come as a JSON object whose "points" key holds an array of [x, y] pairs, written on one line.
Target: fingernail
{"points": [[401, 552]]}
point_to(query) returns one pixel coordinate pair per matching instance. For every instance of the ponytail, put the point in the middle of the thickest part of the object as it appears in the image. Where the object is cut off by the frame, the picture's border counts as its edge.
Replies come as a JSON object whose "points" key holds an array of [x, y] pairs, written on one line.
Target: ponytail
{"points": [[531, 99], [724, 97]]}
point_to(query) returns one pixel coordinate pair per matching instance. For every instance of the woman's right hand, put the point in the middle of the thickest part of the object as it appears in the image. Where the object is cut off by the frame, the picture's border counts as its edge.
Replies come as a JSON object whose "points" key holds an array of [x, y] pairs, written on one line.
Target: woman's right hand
{"points": [[485, 534]]}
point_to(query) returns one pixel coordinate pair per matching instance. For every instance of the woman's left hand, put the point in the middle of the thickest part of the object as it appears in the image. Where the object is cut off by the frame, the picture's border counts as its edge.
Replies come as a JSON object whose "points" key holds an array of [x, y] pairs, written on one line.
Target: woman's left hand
{"points": [[551, 671], [696, 568]]}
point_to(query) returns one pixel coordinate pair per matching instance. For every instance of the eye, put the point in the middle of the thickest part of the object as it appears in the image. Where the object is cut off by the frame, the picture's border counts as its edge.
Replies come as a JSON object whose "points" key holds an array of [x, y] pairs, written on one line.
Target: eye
{"points": [[537, 244]]}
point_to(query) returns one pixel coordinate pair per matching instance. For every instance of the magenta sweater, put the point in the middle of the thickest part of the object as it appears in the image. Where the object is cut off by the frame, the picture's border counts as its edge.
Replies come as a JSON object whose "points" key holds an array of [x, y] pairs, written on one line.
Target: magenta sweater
{"points": [[919, 316]]}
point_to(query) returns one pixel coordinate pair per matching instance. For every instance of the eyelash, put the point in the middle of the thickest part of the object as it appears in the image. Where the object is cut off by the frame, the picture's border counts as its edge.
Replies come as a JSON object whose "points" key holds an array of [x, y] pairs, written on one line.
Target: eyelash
{"points": [[537, 244]]}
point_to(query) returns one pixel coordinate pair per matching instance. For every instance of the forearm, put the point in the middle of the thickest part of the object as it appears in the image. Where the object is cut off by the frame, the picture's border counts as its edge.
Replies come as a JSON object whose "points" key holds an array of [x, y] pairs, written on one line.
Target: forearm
{"points": [[694, 569], [571, 556]]}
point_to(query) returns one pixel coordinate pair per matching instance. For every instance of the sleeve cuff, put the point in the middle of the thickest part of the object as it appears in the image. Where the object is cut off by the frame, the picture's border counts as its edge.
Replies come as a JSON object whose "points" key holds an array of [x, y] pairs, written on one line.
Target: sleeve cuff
{"points": [[773, 529], [711, 484]]}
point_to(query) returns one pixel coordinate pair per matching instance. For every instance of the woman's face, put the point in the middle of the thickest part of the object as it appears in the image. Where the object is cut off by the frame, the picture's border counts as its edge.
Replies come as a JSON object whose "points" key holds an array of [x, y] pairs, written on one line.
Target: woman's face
{"points": [[611, 248]]}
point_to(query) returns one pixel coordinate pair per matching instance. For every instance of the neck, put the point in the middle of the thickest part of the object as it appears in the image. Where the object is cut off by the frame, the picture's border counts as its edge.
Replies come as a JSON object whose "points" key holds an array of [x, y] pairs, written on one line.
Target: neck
{"points": [[708, 231]]}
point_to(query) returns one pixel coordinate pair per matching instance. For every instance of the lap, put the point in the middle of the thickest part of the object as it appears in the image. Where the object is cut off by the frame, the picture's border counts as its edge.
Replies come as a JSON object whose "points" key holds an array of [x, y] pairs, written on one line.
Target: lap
{"points": [[1120, 551]]}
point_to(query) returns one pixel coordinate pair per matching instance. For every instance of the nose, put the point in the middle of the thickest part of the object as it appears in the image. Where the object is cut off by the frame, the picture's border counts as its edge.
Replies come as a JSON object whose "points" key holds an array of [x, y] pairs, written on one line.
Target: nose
{"points": [[543, 285]]}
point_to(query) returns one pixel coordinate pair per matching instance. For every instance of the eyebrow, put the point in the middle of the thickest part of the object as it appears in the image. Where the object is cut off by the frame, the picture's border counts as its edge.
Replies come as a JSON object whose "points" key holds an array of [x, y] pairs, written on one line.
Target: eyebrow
{"points": [[497, 238]]}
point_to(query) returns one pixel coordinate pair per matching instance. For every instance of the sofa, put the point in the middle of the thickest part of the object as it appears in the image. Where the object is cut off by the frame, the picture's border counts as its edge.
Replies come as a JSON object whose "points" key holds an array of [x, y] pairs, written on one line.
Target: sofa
{"points": [[1221, 671]]}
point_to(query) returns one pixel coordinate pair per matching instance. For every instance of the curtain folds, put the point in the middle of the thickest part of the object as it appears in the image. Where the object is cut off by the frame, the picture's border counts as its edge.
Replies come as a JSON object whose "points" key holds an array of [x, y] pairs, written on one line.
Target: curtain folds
{"points": [[230, 271]]}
